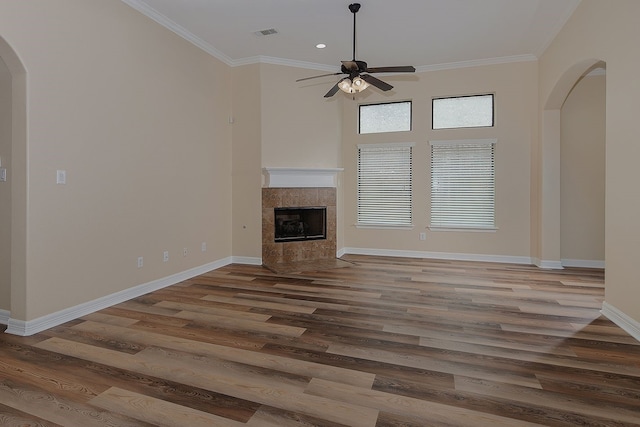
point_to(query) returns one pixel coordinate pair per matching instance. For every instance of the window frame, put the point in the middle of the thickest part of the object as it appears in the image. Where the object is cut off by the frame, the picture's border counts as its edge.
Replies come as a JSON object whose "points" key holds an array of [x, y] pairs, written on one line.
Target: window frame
{"points": [[493, 111], [383, 225], [492, 142], [385, 103]]}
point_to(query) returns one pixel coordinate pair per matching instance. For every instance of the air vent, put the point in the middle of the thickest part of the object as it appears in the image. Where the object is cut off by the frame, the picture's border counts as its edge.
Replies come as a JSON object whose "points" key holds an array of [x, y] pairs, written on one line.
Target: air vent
{"points": [[267, 32]]}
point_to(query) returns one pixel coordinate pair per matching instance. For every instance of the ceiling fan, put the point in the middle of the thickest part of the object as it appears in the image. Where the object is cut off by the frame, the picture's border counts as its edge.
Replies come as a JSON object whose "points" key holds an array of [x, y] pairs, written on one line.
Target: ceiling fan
{"points": [[356, 80]]}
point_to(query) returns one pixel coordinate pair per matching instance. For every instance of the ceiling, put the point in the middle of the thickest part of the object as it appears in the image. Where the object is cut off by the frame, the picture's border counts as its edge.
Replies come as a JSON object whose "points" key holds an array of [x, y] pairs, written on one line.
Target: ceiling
{"points": [[429, 34]]}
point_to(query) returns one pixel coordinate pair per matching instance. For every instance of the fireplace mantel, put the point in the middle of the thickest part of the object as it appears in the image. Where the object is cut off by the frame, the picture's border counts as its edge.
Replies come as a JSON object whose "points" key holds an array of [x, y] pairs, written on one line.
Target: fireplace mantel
{"points": [[300, 177]]}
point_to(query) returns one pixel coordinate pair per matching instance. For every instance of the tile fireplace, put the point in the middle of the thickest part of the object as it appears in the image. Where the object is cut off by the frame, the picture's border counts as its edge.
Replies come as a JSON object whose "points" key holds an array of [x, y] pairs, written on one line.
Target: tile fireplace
{"points": [[298, 222]]}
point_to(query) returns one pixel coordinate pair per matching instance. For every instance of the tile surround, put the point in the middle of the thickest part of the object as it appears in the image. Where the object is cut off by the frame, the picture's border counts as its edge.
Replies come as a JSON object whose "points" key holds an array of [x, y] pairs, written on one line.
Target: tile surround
{"points": [[281, 253]]}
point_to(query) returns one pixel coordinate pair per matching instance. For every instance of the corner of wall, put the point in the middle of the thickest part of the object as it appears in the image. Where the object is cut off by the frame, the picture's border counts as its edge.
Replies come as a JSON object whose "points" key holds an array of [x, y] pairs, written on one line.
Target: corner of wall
{"points": [[27, 328], [631, 326], [5, 315]]}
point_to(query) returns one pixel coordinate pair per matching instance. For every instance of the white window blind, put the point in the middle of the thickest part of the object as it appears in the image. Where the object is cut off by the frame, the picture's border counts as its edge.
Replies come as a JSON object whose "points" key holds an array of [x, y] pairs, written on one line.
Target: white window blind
{"points": [[384, 184], [463, 184]]}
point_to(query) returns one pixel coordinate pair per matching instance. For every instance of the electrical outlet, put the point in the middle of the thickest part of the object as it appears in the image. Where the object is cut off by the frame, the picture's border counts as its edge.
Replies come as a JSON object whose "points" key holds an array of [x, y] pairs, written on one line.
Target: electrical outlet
{"points": [[140, 262], [203, 248], [61, 177], [184, 252], [423, 236], [165, 256]]}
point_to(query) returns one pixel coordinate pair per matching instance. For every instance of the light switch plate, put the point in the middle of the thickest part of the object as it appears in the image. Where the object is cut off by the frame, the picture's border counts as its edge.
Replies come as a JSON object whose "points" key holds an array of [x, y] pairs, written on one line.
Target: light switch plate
{"points": [[3, 174]]}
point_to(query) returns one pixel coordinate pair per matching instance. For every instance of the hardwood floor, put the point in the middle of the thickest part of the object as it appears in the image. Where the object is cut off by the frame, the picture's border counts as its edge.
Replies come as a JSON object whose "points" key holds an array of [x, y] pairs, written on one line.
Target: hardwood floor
{"points": [[382, 342]]}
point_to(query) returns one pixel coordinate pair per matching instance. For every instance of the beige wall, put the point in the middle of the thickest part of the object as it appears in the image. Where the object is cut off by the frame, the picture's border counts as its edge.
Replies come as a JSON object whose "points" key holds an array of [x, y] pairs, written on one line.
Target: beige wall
{"points": [[608, 31], [300, 128], [5, 187], [138, 118], [582, 172], [247, 162], [515, 89], [277, 123]]}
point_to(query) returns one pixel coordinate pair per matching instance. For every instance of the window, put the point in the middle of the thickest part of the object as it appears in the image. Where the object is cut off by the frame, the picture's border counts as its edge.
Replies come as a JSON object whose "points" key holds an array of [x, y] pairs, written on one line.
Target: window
{"points": [[390, 117], [462, 112], [463, 184], [384, 185]]}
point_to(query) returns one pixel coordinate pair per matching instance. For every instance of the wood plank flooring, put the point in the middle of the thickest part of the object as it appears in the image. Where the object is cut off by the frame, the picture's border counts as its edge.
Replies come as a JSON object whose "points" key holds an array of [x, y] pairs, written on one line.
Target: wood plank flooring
{"points": [[380, 342]]}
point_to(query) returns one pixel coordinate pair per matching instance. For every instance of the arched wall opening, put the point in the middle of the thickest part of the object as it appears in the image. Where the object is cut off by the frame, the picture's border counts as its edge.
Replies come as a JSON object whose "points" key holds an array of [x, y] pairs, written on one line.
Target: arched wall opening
{"points": [[582, 173], [15, 192], [549, 233]]}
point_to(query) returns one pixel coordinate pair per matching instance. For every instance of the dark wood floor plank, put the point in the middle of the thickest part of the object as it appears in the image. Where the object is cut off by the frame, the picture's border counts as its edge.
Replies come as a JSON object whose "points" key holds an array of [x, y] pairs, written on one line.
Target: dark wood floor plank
{"points": [[383, 341], [274, 417], [59, 410], [157, 411], [555, 401], [11, 417]]}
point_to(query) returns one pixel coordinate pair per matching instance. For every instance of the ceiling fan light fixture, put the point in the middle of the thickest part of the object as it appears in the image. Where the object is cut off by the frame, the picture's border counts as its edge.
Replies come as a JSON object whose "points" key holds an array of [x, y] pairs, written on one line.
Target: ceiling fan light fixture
{"points": [[359, 84], [346, 85], [356, 81]]}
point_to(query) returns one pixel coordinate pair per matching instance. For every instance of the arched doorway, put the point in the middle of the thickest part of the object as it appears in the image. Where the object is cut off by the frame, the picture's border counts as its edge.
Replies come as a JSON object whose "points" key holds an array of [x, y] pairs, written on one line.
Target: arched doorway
{"points": [[582, 173], [13, 214], [5, 191], [549, 232]]}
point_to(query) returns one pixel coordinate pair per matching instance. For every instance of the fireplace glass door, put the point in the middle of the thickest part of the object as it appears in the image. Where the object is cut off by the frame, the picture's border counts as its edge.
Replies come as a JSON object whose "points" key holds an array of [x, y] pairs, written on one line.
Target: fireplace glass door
{"points": [[305, 223]]}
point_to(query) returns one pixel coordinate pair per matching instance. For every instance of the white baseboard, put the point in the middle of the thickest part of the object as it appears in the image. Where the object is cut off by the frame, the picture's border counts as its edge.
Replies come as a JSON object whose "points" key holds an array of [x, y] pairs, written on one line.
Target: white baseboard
{"points": [[631, 326], [582, 263], [26, 328], [30, 327], [439, 255], [549, 265], [4, 317], [246, 260]]}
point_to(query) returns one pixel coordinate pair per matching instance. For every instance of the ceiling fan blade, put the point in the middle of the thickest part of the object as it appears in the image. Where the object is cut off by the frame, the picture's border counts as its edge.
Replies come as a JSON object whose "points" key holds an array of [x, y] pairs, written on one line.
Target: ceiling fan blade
{"points": [[315, 77], [399, 69], [376, 82], [332, 91]]}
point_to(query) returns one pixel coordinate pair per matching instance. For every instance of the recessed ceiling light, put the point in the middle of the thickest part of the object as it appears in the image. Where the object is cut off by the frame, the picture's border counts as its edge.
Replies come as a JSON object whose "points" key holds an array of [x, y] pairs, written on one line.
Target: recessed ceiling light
{"points": [[321, 45]]}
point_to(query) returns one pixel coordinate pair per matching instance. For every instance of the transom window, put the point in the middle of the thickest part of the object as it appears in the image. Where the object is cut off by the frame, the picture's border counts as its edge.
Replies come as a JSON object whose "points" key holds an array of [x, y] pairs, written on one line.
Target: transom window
{"points": [[462, 112], [389, 117]]}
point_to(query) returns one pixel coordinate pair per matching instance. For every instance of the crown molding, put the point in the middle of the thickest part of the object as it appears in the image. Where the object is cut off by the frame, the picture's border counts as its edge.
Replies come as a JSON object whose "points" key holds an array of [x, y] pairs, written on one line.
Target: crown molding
{"points": [[476, 63], [151, 13], [419, 69], [286, 62]]}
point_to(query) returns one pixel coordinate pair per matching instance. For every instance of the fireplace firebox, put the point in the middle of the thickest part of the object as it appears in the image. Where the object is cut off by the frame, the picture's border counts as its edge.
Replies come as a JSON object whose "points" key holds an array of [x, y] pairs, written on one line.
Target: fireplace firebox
{"points": [[300, 223]]}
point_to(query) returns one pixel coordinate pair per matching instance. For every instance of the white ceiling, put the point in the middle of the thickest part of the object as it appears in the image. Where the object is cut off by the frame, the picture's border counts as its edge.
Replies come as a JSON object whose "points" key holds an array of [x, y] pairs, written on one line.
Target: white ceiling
{"points": [[429, 34]]}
